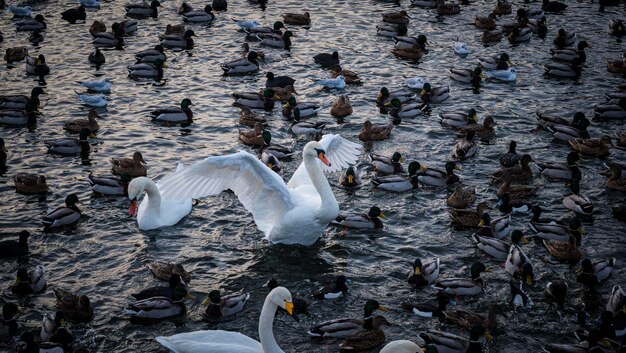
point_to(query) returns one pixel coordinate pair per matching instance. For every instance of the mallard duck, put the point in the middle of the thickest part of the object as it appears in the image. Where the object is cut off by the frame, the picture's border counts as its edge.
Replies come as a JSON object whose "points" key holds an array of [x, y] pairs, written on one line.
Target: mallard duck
{"points": [[28, 342], [276, 29], [326, 59], [502, 8], [571, 70], [299, 127], [444, 8], [143, 9], [611, 110], [249, 118], [467, 76], [388, 165], [450, 343], [162, 291], [458, 119], [134, 167], [391, 30], [97, 27], [617, 28], [375, 132], [564, 39], [507, 205], [27, 282], [429, 310], [147, 69], [491, 36], [78, 124], [30, 184], [617, 300], [15, 54], [553, 6], [468, 319], [621, 138], [30, 24], [423, 3], [64, 215], [435, 177], [129, 26], [498, 248], [547, 121], [463, 286], [385, 96], [203, 16], [569, 54], [616, 181], [109, 186], [557, 171], [558, 232], [431, 94], [220, 5], [592, 147], [488, 22], [184, 8], [556, 291], [465, 147], [70, 146], [276, 150], [500, 62], [400, 17], [409, 42], [484, 226], [413, 53], [518, 296], [252, 137], [516, 192], [74, 308], [538, 26], [423, 274], [566, 133], [342, 107], [278, 81], [115, 38], [485, 130], [96, 57], [350, 178], [151, 55], [520, 35], [498, 228], [157, 308], [602, 268], [520, 172], [333, 291], [74, 14], [255, 100], [297, 19], [164, 270], [174, 115], [228, 305], [307, 109], [53, 329], [408, 110], [282, 94], [282, 42], [566, 251], [348, 326], [12, 248], [400, 183], [242, 66], [37, 67], [468, 218], [518, 264], [537, 219], [8, 324], [370, 336], [176, 41], [371, 220], [351, 77], [18, 102], [462, 197]]}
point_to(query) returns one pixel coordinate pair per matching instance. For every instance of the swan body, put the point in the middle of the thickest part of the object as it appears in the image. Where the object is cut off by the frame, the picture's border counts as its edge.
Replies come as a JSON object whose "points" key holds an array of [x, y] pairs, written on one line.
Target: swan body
{"points": [[155, 211]]}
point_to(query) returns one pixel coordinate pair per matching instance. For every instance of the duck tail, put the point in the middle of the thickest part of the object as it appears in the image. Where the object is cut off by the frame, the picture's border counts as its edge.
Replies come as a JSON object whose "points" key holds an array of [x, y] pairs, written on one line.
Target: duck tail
{"points": [[91, 181]]}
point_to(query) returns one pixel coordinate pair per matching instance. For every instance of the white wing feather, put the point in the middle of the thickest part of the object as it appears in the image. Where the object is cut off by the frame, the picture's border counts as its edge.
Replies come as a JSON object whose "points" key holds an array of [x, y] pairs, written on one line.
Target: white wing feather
{"points": [[217, 341], [259, 189], [340, 152]]}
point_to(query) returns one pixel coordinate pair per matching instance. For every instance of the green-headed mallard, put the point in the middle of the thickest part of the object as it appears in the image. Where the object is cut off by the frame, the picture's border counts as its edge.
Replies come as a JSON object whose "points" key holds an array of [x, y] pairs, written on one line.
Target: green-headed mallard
{"points": [[616, 181], [332, 291], [74, 14], [199, 16], [435, 177], [602, 268], [157, 308], [498, 248], [400, 183], [177, 41], [593, 147], [507, 205], [277, 150], [500, 62], [370, 336], [30, 184], [164, 270], [485, 22], [454, 119], [13, 117], [297, 19], [271, 161], [32, 24], [8, 324], [276, 29], [537, 219], [255, 100], [222, 306], [450, 343], [27, 282], [577, 202], [300, 127], [564, 39], [375, 132], [270, 40], [520, 35], [242, 66], [53, 329], [424, 274], [385, 96], [617, 301], [556, 291], [161, 291], [307, 109], [342, 107], [468, 76], [569, 54], [252, 137], [558, 232], [74, 308], [249, 118], [13, 248], [78, 124], [520, 172], [70, 146], [463, 286], [350, 178], [465, 147], [429, 310], [468, 218], [351, 77], [174, 115], [616, 28], [109, 186], [571, 70], [409, 42], [557, 171], [147, 69], [371, 220], [348, 326], [517, 264], [431, 94], [64, 215], [516, 192], [18, 102], [408, 110], [468, 319], [113, 39], [511, 158], [462, 197], [547, 121], [388, 165], [143, 9], [131, 166], [151, 55]]}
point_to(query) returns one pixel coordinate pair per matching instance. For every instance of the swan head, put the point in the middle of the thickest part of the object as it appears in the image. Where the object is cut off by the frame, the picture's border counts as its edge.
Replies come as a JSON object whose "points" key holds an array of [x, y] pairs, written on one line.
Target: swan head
{"points": [[281, 297], [136, 188], [316, 150]]}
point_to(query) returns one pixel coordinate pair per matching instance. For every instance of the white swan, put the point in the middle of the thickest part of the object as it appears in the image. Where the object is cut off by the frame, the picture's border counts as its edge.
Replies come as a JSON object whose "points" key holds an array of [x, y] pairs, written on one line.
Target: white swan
{"points": [[401, 346], [218, 341], [155, 211], [292, 213]]}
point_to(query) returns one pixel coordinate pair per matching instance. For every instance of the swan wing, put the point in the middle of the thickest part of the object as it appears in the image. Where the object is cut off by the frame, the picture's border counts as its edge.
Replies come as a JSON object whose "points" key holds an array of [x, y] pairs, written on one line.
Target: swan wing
{"points": [[210, 341], [340, 152], [259, 189]]}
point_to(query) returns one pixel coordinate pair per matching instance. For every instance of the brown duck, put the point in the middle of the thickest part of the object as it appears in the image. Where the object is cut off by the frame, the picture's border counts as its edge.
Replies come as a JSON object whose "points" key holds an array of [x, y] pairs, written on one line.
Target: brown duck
{"points": [[342, 107], [351, 77], [616, 181], [249, 118], [252, 137], [90, 123], [132, 166], [369, 337], [592, 147], [462, 197], [468, 218], [30, 184], [371, 132], [164, 270], [74, 308], [520, 172], [517, 192]]}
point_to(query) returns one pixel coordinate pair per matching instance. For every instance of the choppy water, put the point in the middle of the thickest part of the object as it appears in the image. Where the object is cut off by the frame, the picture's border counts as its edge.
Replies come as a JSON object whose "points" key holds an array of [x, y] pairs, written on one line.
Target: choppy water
{"points": [[105, 256]]}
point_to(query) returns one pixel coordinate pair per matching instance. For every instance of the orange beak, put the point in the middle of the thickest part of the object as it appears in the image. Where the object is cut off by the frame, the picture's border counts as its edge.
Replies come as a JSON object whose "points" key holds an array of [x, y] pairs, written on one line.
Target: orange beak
{"points": [[132, 210], [323, 158]]}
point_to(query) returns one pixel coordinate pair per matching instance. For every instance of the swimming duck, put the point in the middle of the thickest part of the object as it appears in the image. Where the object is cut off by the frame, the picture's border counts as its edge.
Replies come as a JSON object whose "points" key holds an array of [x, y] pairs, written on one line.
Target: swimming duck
{"points": [[602, 268], [502, 8], [375, 132], [520, 35], [498, 248], [158, 308], [553, 231], [337, 83], [463, 286], [457, 119], [326, 59], [444, 8], [565, 251], [162, 291], [576, 202], [351, 77], [424, 274], [277, 150], [466, 147], [400, 17], [164, 270], [617, 28], [387, 165], [371, 220], [270, 40], [500, 62], [384, 96], [20, 117], [18, 102], [90, 123], [184, 8], [147, 69], [491, 36], [557, 171], [276, 29], [564, 39], [423, 3], [520, 172], [342, 107], [616, 181], [467, 76], [538, 26], [64, 215], [506, 205], [569, 54], [468, 319], [391, 30], [53, 329], [249, 118], [8, 324], [12, 248], [556, 291], [282, 94], [134, 167], [174, 115], [484, 226], [429, 310], [462, 197], [306, 109], [617, 300], [612, 110], [518, 264], [516, 192], [223, 306], [151, 55], [450, 343], [252, 137], [74, 308], [435, 177], [30, 184], [468, 218], [621, 138], [70, 146], [297, 19], [97, 27], [37, 66], [409, 42], [350, 178], [547, 121], [488, 22], [178, 29], [199, 16], [299, 127], [93, 100], [27, 282], [538, 220], [109, 186], [484, 131], [345, 327], [115, 38], [570, 132], [400, 183], [431, 94], [176, 41], [271, 161], [570, 70], [553, 6], [129, 26], [29, 24], [278, 81], [333, 291], [74, 14], [498, 228], [370, 336], [242, 66], [15, 54], [96, 57], [592, 147], [143, 9], [255, 100], [20, 11], [413, 53]]}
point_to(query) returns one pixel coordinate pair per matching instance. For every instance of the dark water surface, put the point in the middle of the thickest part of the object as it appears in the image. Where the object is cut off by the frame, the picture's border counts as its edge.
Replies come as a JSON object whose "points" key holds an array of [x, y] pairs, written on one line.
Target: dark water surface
{"points": [[106, 255]]}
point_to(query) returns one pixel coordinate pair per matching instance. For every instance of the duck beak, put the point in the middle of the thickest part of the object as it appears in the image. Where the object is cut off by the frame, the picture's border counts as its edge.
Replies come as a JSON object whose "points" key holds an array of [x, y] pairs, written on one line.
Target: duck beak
{"points": [[488, 270], [524, 240], [423, 168], [286, 105], [289, 307], [270, 165], [457, 167], [382, 308], [17, 282], [5, 149], [277, 97], [92, 135], [388, 104], [382, 215], [165, 65], [418, 271], [350, 179], [323, 158], [581, 230], [579, 270], [206, 301], [402, 159], [488, 336], [132, 210], [529, 280], [189, 296], [481, 223]]}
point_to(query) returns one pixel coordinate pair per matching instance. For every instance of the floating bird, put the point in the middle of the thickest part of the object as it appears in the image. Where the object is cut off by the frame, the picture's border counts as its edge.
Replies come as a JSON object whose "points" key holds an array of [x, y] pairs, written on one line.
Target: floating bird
{"points": [[70, 146], [134, 167], [30, 184], [12, 248], [143, 9], [199, 16], [93, 100], [102, 85], [64, 215], [75, 14]]}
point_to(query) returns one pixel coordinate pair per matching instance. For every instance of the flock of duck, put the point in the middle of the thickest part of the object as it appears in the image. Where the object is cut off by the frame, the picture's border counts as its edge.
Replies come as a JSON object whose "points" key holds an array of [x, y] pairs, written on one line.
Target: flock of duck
{"points": [[298, 211]]}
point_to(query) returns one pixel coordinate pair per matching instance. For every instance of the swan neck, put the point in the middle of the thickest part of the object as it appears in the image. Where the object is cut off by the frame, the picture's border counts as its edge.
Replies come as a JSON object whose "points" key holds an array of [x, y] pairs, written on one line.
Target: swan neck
{"points": [[154, 196], [320, 183], [266, 323]]}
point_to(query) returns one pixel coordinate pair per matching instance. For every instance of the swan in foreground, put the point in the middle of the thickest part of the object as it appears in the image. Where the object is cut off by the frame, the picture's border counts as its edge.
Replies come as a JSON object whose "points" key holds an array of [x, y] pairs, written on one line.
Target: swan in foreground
{"points": [[292, 213], [218, 341]]}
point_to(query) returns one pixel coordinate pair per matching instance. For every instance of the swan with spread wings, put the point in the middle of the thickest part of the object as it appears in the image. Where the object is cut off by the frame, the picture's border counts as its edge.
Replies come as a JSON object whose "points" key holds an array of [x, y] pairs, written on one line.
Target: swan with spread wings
{"points": [[292, 213]]}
